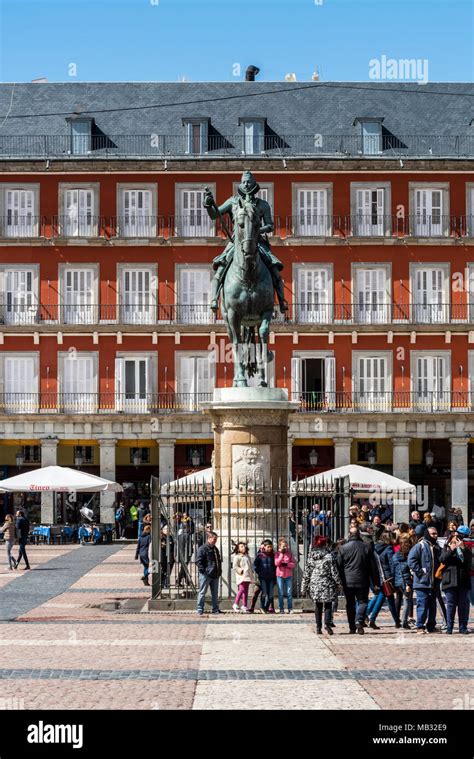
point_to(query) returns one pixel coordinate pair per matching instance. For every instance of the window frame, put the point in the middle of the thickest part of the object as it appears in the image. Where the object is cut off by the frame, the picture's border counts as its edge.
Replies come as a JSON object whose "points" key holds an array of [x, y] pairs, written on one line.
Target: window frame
{"points": [[191, 186], [63, 187], [445, 189], [311, 186], [387, 206], [120, 205], [33, 187]]}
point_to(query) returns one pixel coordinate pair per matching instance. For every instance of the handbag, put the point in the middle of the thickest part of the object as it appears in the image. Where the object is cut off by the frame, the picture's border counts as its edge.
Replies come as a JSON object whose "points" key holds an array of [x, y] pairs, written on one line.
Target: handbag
{"points": [[387, 587], [439, 572]]}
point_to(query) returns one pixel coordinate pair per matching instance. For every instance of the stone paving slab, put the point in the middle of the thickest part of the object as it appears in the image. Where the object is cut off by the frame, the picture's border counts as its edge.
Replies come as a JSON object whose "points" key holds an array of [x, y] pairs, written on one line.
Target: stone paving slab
{"points": [[49, 579], [239, 646], [69, 694], [423, 694], [259, 694], [67, 653]]}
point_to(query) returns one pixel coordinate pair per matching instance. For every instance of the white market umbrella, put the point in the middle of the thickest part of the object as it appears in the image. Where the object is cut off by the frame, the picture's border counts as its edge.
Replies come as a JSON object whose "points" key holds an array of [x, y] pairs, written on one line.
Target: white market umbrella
{"points": [[190, 481], [57, 479], [363, 479]]}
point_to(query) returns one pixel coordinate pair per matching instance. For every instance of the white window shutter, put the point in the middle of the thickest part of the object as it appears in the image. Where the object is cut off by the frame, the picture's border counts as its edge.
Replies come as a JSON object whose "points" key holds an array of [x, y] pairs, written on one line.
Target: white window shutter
{"points": [[296, 378], [330, 382], [119, 383]]}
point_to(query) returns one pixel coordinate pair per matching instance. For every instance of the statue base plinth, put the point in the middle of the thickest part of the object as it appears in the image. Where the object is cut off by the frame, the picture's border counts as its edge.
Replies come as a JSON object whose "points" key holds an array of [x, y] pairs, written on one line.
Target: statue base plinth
{"points": [[251, 500], [250, 427]]}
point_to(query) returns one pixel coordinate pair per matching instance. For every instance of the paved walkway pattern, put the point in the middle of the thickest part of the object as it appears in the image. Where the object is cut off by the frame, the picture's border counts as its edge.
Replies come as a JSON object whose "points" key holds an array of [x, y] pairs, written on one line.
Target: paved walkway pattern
{"points": [[61, 650]]}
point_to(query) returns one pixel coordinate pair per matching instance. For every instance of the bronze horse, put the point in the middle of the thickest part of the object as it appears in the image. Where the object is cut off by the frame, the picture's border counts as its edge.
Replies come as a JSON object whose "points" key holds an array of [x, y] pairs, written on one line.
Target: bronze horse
{"points": [[247, 298]]}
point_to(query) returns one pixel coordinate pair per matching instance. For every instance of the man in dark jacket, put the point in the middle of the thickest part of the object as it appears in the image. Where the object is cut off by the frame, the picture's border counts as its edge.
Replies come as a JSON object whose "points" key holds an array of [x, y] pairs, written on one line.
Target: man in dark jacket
{"points": [[423, 560], [357, 568], [210, 569], [456, 583], [22, 531]]}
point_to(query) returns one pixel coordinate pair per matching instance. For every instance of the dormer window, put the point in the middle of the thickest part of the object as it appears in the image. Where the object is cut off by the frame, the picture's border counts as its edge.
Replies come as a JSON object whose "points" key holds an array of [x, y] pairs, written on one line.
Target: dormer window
{"points": [[371, 134], [197, 131], [81, 134], [253, 134]]}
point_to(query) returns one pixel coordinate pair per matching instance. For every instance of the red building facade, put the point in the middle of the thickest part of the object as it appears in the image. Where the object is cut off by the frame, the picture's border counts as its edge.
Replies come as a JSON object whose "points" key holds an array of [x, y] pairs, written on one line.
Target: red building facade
{"points": [[107, 342]]}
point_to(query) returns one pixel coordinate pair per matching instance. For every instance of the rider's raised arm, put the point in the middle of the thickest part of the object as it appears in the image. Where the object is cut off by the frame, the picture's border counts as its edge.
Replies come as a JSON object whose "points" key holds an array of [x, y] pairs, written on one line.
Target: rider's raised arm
{"points": [[267, 225], [226, 207]]}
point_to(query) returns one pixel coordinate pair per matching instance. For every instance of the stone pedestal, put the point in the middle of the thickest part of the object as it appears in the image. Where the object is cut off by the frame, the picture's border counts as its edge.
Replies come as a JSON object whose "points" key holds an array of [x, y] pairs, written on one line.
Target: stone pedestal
{"points": [[251, 500]]}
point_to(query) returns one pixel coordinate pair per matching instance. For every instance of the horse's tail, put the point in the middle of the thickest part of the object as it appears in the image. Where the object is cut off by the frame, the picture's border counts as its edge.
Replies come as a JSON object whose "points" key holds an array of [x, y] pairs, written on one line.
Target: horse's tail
{"points": [[250, 355]]}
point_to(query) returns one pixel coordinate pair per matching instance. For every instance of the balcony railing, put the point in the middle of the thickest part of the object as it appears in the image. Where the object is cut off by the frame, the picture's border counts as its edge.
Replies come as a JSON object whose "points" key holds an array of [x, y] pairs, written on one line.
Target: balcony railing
{"points": [[101, 403], [162, 403], [143, 313], [236, 145], [310, 312], [134, 313], [384, 402], [306, 224], [199, 225]]}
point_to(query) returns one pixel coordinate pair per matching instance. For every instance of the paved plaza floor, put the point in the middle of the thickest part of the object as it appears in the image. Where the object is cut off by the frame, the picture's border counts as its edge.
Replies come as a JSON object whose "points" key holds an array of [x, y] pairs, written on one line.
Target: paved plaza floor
{"points": [[60, 650]]}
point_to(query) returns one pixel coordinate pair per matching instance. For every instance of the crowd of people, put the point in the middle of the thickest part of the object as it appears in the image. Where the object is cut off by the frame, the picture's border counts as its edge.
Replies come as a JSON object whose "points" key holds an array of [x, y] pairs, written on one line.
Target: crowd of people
{"points": [[416, 568], [130, 519]]}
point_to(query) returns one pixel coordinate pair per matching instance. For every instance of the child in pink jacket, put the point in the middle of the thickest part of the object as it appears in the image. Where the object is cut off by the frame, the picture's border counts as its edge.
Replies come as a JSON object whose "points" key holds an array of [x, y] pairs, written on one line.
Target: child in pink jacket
{"points": [[285, 563]]}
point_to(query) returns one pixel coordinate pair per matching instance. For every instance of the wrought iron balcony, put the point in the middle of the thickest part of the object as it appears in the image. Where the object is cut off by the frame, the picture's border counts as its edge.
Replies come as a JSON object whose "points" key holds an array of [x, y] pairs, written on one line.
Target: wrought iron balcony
{"points": [[384, 402], [163, 403], [198, 225], [236, 145], [101, 403], [140, 313], [307, 224]]}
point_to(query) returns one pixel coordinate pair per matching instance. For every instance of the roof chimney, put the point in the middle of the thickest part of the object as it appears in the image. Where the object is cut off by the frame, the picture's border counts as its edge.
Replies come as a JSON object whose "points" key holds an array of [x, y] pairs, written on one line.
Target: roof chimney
{"points": [[251, 73]]}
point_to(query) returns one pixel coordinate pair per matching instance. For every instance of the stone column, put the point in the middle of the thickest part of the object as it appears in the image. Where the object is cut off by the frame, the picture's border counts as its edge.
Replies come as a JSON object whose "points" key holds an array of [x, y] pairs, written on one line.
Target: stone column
{"points": [[342, 451], [49, 457], [166, 448], [107, 470], [401, 469], [291, 440], [459, 474], [401, 458]]}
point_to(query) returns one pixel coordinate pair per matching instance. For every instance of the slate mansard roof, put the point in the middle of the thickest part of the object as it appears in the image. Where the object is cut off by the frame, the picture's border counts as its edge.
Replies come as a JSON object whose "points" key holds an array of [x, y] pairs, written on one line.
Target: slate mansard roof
{"points": [[291, 110]]}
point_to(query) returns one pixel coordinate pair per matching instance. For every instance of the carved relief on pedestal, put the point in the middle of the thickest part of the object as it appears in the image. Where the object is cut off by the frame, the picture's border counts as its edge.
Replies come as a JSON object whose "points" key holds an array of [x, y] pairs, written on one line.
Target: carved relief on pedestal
{"points": [[250, 467]]}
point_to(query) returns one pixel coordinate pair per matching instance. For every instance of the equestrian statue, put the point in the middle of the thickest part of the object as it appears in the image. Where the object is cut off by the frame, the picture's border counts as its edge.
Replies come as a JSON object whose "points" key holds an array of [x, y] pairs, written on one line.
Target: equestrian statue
{"points": [[247, 274]]}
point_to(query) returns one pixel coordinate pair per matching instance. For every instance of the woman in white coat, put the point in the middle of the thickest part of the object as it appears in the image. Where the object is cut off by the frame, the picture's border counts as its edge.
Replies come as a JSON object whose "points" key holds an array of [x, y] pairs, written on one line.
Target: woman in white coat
{"points": [[242, 566]]}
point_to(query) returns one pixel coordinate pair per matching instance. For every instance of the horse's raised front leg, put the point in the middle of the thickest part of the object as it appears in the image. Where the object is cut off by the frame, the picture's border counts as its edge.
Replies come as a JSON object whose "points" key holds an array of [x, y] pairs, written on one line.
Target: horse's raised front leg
{"points": [[234, 329], [263, 354]]}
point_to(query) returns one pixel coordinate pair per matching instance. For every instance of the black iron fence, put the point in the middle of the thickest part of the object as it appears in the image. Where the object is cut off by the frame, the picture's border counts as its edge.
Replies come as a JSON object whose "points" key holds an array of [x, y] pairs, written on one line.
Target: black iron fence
{"points": [[184, 514]]}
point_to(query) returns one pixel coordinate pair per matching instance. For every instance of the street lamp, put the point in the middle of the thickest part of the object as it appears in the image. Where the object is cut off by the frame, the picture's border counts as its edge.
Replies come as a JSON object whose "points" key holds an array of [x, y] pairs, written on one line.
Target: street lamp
{"points": [[371, 457], [313, 457], [195, 457], [429, 458], [78, 456], [137, 457]]}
